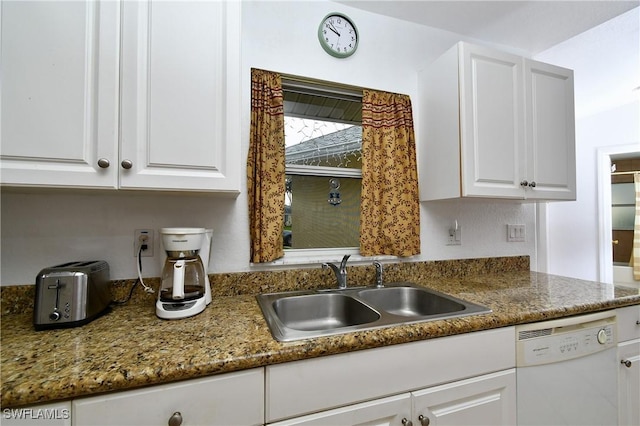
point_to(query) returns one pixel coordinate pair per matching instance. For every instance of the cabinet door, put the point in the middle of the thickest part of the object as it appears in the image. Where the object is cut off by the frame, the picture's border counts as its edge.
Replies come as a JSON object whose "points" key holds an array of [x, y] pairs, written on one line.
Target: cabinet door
{"points": [[381, 412], [629, 383], [229, 399], [551, 156], [59, 93], [492, 123], [180, 95], [484, 400], [628, 323]]}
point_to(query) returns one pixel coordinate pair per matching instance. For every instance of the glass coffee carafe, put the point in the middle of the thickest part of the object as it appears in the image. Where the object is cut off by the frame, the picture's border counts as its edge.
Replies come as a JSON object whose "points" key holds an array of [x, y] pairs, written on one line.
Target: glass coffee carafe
{"points": [[183, 291], [183, 279]]}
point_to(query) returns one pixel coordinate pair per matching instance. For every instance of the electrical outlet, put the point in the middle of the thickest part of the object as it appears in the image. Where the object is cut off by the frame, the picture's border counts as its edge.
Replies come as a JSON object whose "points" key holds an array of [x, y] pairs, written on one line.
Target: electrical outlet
{"points": [[455, 236], [516, 233], [143, 237]]}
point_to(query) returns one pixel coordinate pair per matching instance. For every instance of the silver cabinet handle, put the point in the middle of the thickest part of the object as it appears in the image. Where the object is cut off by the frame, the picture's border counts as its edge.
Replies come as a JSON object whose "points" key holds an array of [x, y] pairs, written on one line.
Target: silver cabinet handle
{"points": [[103, 163], [532, 184], [126, 164], [175, 419], [424, 421], [406, 422], [524, 183], [626, 363]]}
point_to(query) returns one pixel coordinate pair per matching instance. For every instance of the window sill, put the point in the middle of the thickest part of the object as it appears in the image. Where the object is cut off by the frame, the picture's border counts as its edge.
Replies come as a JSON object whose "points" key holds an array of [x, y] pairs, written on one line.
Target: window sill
{"points": [[302, 257]]}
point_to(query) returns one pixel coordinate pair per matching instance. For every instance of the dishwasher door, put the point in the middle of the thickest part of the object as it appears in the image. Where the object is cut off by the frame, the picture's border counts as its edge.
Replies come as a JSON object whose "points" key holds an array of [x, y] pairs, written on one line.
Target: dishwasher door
{"points": [[567, 371]]}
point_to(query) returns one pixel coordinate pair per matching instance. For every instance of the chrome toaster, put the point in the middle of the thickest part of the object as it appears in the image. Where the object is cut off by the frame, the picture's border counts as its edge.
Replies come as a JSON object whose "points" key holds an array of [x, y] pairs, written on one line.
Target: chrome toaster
{"points": [[71, 294]]}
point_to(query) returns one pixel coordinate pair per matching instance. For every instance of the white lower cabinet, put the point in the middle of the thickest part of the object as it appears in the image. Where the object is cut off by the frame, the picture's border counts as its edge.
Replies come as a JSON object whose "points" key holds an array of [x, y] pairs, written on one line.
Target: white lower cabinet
{"points": [[629, 369], [489, 399], [229, 399], [472, 373], [629, 383]]}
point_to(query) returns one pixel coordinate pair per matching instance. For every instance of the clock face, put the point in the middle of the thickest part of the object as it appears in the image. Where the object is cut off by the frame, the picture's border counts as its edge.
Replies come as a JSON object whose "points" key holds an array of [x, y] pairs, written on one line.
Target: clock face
{"points": [[338, 35]]}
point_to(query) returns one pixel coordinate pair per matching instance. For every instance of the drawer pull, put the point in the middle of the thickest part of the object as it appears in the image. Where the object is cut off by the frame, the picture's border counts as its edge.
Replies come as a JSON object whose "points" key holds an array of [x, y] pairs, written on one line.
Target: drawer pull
{"points": [[126, 164], [626, 363], [424, 421], [175, 419], [103, 163], [406, 422]]}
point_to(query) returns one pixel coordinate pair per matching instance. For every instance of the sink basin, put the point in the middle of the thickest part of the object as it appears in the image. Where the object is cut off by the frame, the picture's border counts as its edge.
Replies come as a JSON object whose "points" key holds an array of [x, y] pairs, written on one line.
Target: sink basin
{"points": [[322, 311], [299, 315], [410, 301]]}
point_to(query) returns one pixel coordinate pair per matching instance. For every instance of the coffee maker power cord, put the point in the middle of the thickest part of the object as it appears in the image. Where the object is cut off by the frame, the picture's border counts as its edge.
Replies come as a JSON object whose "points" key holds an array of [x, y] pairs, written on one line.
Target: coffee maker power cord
{"points": [[139, 280], [146, 287]]}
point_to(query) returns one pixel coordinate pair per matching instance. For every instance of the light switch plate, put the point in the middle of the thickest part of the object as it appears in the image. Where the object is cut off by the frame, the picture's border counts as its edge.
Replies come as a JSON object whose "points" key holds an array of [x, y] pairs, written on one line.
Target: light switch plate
{"points": [[516, 233]]}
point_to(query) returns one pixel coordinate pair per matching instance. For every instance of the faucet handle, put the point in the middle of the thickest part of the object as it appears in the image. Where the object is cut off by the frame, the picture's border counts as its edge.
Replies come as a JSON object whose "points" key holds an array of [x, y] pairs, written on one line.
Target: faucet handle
{"points": [[378, 266], [343, 264]]}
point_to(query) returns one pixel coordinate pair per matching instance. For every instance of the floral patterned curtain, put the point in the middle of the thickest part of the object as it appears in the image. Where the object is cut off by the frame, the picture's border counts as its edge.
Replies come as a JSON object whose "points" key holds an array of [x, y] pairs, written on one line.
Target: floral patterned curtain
{"points": [[389, 206], [266, 167]]}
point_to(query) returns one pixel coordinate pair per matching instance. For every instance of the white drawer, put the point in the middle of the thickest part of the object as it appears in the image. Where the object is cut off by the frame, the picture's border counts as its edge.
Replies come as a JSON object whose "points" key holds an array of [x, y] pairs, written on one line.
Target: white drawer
{"points": [[628, 323], [227, 399]]}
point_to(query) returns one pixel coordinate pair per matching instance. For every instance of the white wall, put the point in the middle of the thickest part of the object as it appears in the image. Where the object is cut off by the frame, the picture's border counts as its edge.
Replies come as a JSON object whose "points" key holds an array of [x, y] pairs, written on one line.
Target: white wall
{"points": [[606, 64], [40, 229]]}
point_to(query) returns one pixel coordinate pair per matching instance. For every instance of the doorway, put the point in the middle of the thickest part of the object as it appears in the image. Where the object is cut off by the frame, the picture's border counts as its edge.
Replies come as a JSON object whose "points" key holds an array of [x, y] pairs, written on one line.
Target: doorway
{"points": [[613, 272]]}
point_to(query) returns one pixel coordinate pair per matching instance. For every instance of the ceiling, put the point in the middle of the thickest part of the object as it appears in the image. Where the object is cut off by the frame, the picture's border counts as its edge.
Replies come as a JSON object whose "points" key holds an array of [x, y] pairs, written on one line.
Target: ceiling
{"points": [[533, 26]]}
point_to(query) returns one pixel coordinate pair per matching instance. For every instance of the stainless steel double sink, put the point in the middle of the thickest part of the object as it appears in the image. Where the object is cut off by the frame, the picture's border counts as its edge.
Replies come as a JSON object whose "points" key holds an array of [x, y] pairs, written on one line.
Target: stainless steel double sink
{"points": [[296, 315]]}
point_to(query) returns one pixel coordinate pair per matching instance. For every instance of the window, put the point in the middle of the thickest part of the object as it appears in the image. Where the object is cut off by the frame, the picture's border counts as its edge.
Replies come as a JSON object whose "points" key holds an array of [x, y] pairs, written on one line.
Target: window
{"points": [[389, 201], [323, 136]]}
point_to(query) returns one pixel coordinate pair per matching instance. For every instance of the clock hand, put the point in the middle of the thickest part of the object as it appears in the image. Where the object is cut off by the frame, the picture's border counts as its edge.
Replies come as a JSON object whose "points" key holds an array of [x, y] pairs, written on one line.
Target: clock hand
{"points": [[333, 29]]}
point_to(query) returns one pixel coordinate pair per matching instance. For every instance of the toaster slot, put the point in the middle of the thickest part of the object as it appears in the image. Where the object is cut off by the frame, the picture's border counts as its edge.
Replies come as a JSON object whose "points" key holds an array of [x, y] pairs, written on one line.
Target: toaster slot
{"points": [[88, 263], [65, 265], [76, 264]]}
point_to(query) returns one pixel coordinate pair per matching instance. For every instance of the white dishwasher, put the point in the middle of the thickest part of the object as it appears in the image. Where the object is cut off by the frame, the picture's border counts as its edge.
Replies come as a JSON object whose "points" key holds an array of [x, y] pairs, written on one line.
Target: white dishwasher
{"points": [[567, 371]]}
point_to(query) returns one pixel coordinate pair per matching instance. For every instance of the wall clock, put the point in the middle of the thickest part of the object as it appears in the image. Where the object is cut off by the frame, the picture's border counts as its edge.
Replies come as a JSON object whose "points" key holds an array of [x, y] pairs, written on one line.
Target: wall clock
{"points": [[338, 35]]}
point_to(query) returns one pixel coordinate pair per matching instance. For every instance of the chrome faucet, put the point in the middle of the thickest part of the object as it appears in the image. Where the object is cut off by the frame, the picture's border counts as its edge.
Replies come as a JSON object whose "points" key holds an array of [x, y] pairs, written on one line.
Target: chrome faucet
{"points": [[341, 271], [378, 266]]}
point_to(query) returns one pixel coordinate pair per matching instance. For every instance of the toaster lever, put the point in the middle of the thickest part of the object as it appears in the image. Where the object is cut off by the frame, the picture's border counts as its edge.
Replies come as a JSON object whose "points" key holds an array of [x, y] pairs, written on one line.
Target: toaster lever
{"points": [[55, 315]]}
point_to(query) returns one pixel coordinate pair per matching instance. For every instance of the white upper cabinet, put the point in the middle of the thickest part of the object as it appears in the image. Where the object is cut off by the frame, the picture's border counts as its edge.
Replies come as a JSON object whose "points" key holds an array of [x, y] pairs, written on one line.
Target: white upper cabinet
{"points": [[491, 123], [129, 95], [59, 93], [550, 132], [180, 93], [496, 125]]}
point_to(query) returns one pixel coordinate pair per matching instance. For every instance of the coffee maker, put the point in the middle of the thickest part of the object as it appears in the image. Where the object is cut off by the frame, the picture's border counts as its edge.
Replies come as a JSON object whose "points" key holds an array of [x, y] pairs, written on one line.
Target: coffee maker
{"points": [[185, 289]]}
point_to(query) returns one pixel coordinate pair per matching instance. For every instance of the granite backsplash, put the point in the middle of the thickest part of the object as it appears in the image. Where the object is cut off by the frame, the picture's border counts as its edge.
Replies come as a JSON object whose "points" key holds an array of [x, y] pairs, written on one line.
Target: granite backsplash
{"points": [[19, 299]]}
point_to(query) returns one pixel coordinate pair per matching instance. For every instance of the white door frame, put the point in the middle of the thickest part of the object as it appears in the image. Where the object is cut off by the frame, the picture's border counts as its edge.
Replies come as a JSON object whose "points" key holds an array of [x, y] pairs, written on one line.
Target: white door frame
{"points": [[604, 206]]}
